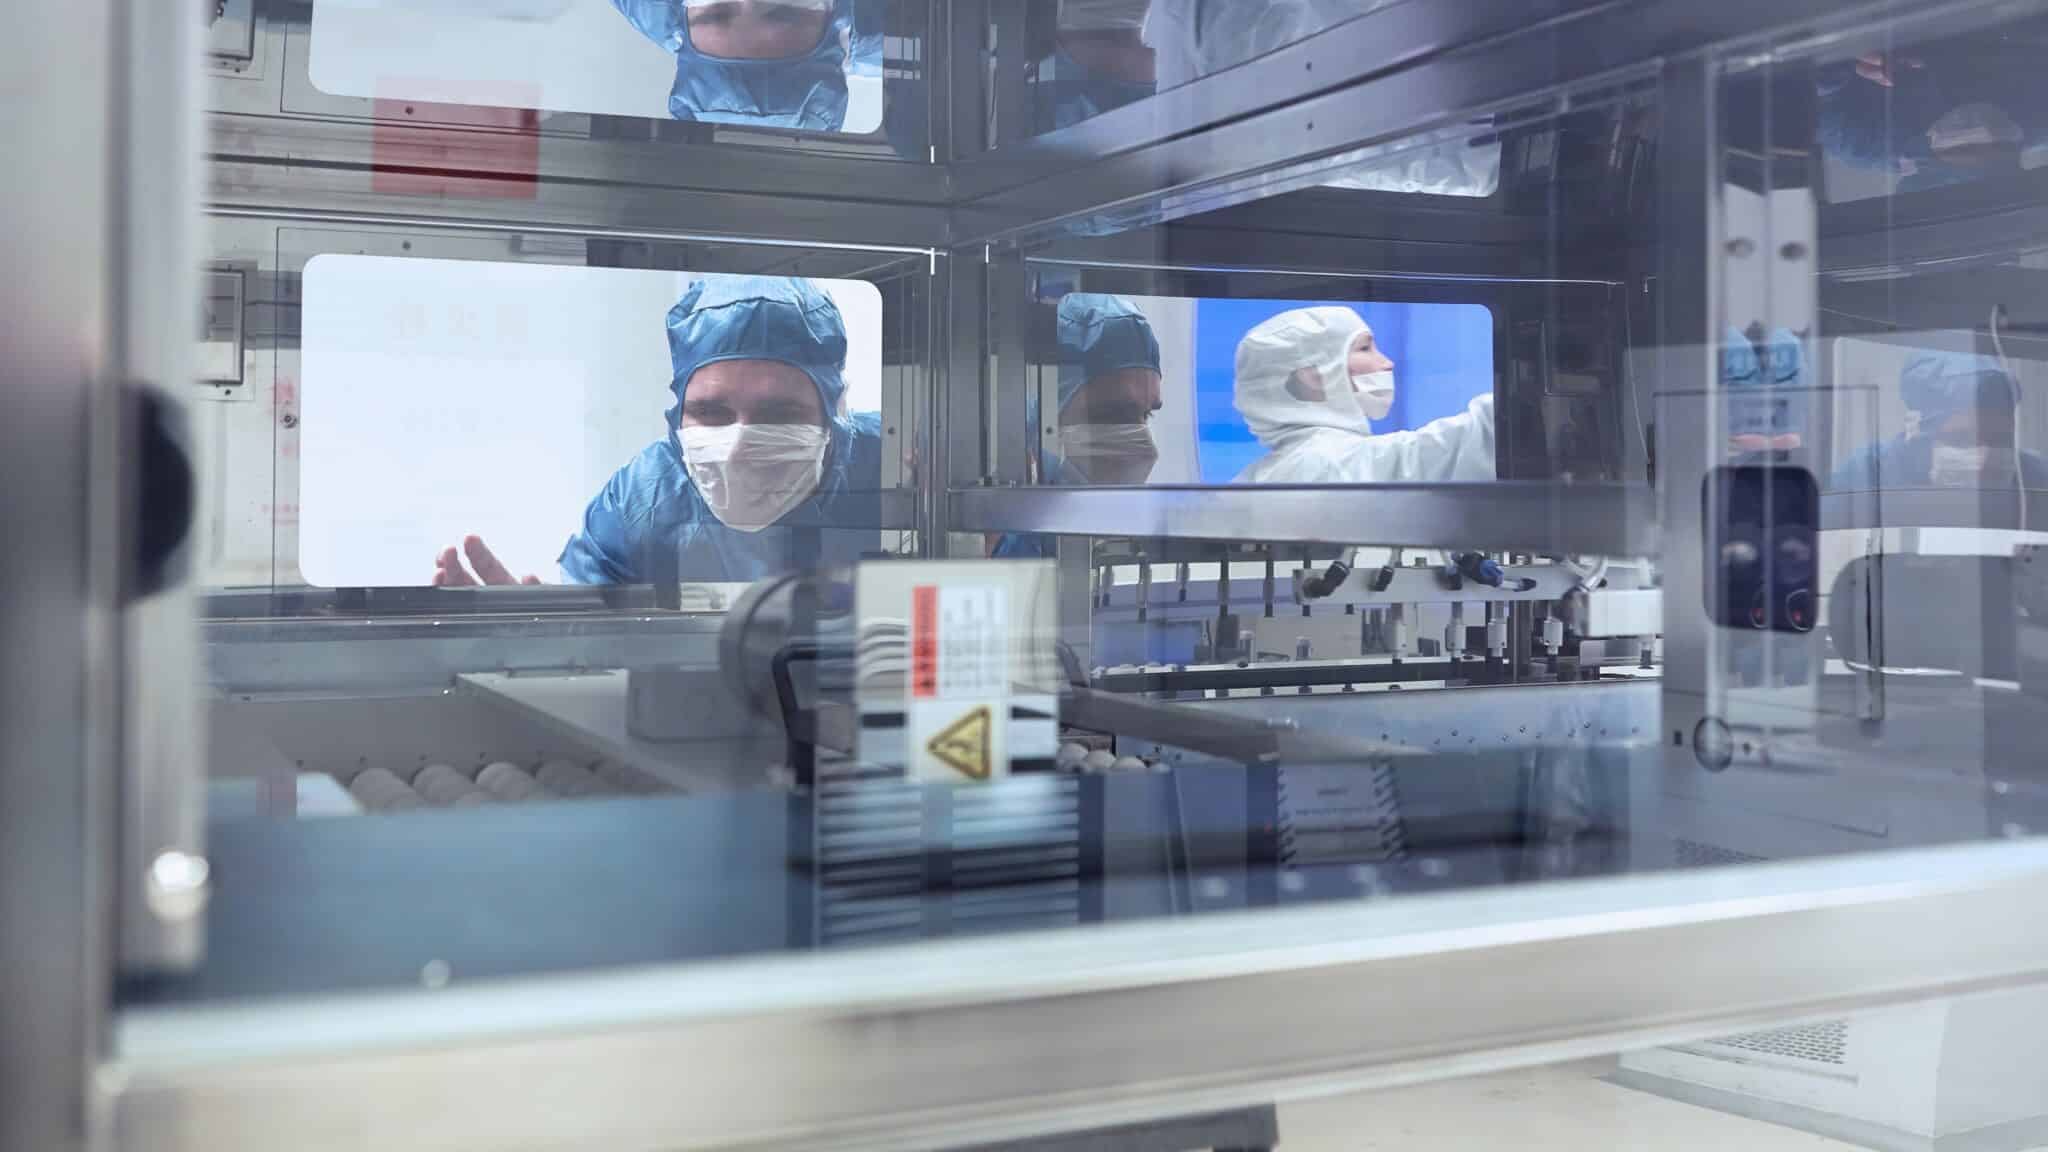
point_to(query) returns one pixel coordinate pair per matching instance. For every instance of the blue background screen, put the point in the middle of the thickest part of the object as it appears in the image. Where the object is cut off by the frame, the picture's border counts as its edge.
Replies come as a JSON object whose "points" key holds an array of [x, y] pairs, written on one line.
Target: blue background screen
{"points": [[1442, 353]]}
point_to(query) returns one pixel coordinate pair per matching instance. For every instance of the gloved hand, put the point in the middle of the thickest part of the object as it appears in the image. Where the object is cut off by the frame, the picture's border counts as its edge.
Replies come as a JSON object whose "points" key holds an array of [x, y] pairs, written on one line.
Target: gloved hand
{"points": [[449, 572]]}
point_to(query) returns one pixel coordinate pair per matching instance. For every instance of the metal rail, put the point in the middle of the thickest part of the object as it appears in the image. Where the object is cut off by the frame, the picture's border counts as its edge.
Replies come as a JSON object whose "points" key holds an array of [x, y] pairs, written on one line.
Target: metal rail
{"points": [[955, 1042], [1591, 519]]}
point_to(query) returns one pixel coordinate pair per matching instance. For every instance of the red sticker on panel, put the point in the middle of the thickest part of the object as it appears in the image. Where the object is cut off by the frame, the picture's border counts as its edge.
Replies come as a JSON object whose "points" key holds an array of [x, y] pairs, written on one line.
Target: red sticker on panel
{"points": [[424, 148], [924, 640]]}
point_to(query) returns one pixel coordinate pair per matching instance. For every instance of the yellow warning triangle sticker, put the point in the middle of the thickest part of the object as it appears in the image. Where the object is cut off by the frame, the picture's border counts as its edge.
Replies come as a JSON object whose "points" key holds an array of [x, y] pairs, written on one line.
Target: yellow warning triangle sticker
{"points": [[963, 746]]}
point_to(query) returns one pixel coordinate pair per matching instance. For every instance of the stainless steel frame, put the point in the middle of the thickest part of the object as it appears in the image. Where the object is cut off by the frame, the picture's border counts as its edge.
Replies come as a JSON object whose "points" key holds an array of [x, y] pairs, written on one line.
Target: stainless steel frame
{"points": [[952, 1043], [1599, 519]]}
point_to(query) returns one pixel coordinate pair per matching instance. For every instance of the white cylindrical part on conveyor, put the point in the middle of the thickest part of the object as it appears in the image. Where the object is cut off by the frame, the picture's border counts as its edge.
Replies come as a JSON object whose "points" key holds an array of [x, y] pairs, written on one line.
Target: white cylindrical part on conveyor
{"points": [[441, 784], [380, 790], [509, 782]]}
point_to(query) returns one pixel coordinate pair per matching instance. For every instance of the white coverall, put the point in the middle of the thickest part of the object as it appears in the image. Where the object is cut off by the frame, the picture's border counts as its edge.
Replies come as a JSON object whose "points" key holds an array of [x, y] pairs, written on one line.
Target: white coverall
{"points": [[1329, 441]]}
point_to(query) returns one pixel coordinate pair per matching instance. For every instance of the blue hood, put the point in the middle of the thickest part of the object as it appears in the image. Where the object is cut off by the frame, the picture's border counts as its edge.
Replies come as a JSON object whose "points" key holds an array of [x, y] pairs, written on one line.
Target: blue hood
{"points": [[649, 523], [806, 91]]}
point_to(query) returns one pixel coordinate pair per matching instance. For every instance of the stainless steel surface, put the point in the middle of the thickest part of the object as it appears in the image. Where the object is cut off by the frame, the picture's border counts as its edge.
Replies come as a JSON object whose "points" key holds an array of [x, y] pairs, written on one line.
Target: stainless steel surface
{"points": [[1409, 586], [283, 140], [1396, 35], [263, 657], [1537, 63], [1012, 441], [970, 1040], [60, 334], [960, 408], [314, 194], [1593, 519], [155, 285]]}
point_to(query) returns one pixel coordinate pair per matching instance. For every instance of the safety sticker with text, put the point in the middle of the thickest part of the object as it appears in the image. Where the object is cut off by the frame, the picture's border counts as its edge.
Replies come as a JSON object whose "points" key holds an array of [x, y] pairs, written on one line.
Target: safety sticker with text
{"points": [[959, 708]]}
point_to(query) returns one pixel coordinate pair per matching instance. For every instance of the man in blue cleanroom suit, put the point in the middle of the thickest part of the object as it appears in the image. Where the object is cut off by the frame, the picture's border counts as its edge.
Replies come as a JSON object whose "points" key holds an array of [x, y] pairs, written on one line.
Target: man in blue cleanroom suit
{"points": [[760, 470], [1099, 61], [1967, 406], [772, 63], [1945, 112], [1109, 382]]}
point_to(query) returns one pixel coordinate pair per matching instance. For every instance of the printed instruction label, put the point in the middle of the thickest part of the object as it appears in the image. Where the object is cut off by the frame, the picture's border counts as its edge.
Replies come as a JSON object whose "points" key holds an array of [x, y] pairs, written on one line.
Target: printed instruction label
{"points": [[959, 641]]}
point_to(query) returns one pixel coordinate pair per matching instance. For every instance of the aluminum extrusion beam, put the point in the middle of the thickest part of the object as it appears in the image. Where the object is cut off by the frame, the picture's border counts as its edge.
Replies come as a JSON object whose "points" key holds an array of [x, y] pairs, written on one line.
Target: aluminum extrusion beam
{"points": [[1593, 519], [961, 1041]]}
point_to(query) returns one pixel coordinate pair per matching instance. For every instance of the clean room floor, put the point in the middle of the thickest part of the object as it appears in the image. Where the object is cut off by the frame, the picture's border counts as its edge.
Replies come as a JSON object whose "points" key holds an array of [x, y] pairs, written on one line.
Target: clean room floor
{"points": [[1533, 1110]]}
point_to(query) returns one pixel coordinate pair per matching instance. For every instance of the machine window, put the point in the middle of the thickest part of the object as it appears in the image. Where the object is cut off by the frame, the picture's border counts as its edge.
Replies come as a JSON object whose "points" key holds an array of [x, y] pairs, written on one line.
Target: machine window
{"points": [[472, 422], [799, 64]]}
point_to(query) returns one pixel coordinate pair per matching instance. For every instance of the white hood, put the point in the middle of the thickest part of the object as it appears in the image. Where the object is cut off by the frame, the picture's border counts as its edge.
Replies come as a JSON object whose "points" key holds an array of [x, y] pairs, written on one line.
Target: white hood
{"points": [[1318, 339]]}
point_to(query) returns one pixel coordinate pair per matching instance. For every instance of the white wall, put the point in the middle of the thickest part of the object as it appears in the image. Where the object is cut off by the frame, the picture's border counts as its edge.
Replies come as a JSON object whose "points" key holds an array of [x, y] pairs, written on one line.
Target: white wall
{"points": [[557, 55], [441, 398]]}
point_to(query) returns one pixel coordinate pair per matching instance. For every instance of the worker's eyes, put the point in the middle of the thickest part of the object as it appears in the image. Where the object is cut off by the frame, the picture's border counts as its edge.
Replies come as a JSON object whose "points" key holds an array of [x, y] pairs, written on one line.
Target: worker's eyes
{"points": [[716, 16], [782, 414], [711, 415]]}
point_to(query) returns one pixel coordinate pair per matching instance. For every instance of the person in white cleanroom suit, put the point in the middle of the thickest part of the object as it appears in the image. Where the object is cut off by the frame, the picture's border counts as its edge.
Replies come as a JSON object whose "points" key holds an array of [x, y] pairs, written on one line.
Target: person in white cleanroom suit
{"points": [[1309, 384]]}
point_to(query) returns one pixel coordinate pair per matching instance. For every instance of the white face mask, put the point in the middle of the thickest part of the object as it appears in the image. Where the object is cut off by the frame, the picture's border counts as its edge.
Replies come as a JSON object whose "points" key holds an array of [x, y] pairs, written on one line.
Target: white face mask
{"points": [[1959, 467], [1375, 393], [751, 474], [1109, 453]]}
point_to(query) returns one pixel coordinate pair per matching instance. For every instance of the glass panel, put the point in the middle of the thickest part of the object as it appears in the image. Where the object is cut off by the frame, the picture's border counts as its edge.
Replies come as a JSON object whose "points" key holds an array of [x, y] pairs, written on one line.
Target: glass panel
{"points": [[1326, 325], [412, 389], [1931, 109], [1874, 460], [1163, 390], [842, 75], [795, 65], [1087, 57], [1605, 585], [421, 379]]}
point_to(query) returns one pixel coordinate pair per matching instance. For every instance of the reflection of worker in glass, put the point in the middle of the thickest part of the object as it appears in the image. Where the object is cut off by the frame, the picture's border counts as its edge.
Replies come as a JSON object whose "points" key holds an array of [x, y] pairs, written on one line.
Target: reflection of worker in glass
{"points": [[1108, 389], [1963, 431], [1944, 113], [774, 63], [1195, 38], [758, 461], [1109, 386], [1309, 384], [1099, 61]]}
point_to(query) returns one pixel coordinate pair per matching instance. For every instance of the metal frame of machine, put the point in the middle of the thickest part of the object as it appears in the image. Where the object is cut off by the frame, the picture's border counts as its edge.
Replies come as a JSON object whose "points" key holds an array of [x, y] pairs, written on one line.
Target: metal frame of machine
{"points": [[965, 1040]]}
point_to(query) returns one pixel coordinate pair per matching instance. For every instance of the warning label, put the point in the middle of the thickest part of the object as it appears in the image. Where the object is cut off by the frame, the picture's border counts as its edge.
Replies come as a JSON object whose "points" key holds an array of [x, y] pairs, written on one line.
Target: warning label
{"points": [[964, 746], [955, 700], [958, 740]]}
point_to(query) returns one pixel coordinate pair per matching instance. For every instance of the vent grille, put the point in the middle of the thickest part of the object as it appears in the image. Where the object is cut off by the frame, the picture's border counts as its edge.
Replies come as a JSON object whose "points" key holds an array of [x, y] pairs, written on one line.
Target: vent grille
{"points": [[899, 859], [1823, 1043], [1696, 854]]}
